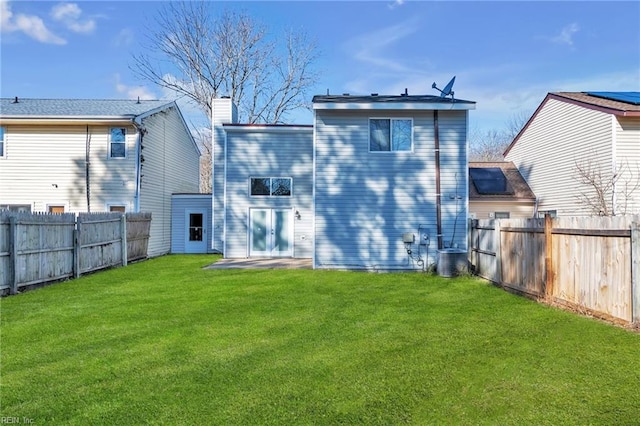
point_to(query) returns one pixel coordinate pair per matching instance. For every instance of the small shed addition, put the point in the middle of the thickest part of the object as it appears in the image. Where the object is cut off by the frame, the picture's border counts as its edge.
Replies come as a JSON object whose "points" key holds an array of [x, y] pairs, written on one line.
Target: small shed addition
{"points": [[191, 223]]}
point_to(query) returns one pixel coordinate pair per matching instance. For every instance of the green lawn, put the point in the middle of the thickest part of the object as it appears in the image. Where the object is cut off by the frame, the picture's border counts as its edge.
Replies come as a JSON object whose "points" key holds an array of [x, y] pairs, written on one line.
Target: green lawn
{"points": [[166, 342]]}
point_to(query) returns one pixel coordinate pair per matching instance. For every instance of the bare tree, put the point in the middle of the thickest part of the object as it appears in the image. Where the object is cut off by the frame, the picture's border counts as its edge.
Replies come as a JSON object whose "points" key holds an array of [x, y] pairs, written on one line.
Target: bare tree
{"points": [[201, 56], [516, 123], [488, 145], [606, 193], [203, 139], [491, 144]]}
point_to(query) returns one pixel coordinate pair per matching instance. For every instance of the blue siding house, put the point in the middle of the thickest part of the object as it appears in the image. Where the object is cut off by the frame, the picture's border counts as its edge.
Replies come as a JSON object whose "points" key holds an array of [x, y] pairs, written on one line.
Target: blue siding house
{"points": [[376, 183]]}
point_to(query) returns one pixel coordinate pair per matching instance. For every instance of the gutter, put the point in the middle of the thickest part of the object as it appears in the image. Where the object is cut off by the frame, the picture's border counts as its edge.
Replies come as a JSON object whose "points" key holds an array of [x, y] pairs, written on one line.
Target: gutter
{"points": [[87, 174], [137, 123]]}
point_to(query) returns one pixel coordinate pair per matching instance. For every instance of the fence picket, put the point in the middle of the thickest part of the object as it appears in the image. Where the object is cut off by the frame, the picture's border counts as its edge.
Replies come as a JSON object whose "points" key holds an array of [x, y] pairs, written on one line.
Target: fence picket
{"points": [[37, 248], [590, 264]]}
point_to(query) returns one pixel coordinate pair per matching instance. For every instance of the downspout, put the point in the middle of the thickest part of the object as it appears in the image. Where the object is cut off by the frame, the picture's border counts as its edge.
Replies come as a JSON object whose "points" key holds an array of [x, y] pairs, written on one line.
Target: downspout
{"points": [[87, 163], [137, 123], [438, 195]]}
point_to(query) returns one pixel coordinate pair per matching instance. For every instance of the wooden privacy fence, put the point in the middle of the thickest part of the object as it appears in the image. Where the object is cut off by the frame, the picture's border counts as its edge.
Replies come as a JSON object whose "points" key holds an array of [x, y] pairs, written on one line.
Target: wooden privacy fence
{"points": [[591, 264], [37, 247]]}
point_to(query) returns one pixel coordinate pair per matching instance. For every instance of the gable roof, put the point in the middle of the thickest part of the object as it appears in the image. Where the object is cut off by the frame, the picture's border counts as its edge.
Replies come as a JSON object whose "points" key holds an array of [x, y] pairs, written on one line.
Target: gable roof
{"points": [[517, 187], [388, 102], [98, 110], [607, 102], [78, 108]]}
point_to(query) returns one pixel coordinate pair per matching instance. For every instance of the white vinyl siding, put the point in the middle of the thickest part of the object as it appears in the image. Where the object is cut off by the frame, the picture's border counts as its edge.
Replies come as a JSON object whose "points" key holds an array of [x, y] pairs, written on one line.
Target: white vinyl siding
{"points": [[170, 166], [366, 201], [627, 147], [516, 209], [48, 165], [268, 153], [546, 154], [180, 203]]}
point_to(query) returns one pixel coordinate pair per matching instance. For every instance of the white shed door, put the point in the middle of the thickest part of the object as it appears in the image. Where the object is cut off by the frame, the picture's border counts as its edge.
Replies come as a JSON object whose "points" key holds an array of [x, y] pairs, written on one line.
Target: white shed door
{"points": [[196, 231]]}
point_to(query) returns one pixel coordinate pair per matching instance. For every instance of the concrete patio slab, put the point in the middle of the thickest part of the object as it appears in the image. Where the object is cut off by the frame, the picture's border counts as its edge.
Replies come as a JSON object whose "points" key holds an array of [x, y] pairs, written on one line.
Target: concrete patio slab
{"points": [[262, 263]]}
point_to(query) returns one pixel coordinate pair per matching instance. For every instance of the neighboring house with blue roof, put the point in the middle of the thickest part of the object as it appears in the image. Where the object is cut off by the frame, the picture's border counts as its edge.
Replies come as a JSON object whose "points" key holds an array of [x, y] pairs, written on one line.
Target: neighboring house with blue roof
{"points": [[596, 132], [376, 183], [78, 155]]}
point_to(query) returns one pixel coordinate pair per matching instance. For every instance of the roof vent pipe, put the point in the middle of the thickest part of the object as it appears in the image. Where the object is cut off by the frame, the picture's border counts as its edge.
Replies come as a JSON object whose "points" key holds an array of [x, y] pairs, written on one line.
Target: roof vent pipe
{"points": [[15, 101]]}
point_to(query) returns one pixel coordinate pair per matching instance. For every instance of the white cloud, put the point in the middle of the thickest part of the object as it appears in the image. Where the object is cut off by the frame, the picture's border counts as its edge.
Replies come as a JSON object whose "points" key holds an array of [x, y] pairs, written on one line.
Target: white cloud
{"points": [[124, 38], [133, 92], [69, 14], [31, 25], [396, 3], [566, 34], [370, 48]]}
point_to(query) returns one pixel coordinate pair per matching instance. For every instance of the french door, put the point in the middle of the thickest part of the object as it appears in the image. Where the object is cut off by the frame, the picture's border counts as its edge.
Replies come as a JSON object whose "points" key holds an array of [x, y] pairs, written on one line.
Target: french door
{"points": [[270, 233]]}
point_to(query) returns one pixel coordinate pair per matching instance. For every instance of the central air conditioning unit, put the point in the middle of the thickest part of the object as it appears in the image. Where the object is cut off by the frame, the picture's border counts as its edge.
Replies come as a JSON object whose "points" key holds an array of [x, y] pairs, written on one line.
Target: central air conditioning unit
{"points": [[452, 262]]}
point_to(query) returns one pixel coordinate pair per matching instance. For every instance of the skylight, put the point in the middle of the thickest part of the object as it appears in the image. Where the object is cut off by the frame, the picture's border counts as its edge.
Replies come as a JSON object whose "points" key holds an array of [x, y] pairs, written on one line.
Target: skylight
{"points": [[489, 180]]}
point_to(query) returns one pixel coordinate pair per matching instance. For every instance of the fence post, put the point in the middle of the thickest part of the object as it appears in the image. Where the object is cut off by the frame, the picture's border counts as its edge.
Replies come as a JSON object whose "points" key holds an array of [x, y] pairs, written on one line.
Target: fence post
{"points": [[13, 255], [77, 249], [76, 253], [548, 256], [123, 238], [635, 273], [497, 244]]}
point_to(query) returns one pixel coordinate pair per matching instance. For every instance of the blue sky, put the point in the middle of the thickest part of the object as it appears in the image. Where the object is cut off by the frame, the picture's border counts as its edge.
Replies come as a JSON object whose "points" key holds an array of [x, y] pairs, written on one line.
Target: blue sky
{"points": [[506, 56]]}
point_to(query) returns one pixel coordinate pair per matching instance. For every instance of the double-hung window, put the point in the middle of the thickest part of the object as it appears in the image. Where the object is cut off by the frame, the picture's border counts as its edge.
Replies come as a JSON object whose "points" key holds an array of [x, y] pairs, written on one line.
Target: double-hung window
{"points": [[390, 134], [117, 142], [271, 186], [1, 141]]}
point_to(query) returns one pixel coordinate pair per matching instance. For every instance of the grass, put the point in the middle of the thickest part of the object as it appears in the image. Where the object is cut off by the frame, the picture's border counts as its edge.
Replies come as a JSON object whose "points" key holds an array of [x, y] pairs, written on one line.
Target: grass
{"points": [[166, 342]]}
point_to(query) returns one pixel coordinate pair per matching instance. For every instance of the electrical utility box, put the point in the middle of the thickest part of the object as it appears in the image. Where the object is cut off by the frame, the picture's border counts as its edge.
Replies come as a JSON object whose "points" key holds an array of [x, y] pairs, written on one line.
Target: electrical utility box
{"points": [[408, 238]]}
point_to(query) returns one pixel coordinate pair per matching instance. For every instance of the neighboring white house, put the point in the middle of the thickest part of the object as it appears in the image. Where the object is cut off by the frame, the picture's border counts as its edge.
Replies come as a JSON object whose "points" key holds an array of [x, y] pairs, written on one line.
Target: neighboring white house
{"points": [[70, 155], [377, 182], [597, 132]]}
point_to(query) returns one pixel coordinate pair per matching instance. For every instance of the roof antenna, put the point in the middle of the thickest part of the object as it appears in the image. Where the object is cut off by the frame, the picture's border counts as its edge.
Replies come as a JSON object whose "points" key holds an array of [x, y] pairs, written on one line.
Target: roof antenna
{"points": [[447, 89]]}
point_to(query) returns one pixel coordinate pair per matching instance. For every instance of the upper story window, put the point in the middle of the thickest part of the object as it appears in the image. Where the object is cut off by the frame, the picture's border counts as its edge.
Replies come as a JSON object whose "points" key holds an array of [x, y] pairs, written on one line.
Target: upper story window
{"points": [[117, 142], [271, 186], [1, 141], [390, 134]]}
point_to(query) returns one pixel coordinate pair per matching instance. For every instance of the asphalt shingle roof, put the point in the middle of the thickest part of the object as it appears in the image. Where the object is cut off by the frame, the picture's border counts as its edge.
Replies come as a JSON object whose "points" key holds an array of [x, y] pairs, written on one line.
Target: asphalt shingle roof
{"points": [[29, 107], [586, 98], [518, 187]]}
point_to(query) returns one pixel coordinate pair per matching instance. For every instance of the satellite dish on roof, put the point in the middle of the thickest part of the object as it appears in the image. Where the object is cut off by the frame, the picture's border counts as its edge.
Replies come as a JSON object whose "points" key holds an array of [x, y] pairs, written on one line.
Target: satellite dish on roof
{"points": [[447, 89]]}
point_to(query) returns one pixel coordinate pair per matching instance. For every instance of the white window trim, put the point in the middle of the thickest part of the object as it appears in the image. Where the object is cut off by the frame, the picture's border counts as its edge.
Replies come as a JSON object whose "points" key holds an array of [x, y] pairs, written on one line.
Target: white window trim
{"points": [[391, 151], [118, 204], [65, 206], [3, 154], [9, 205], [126, 151], [270, 196]]}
